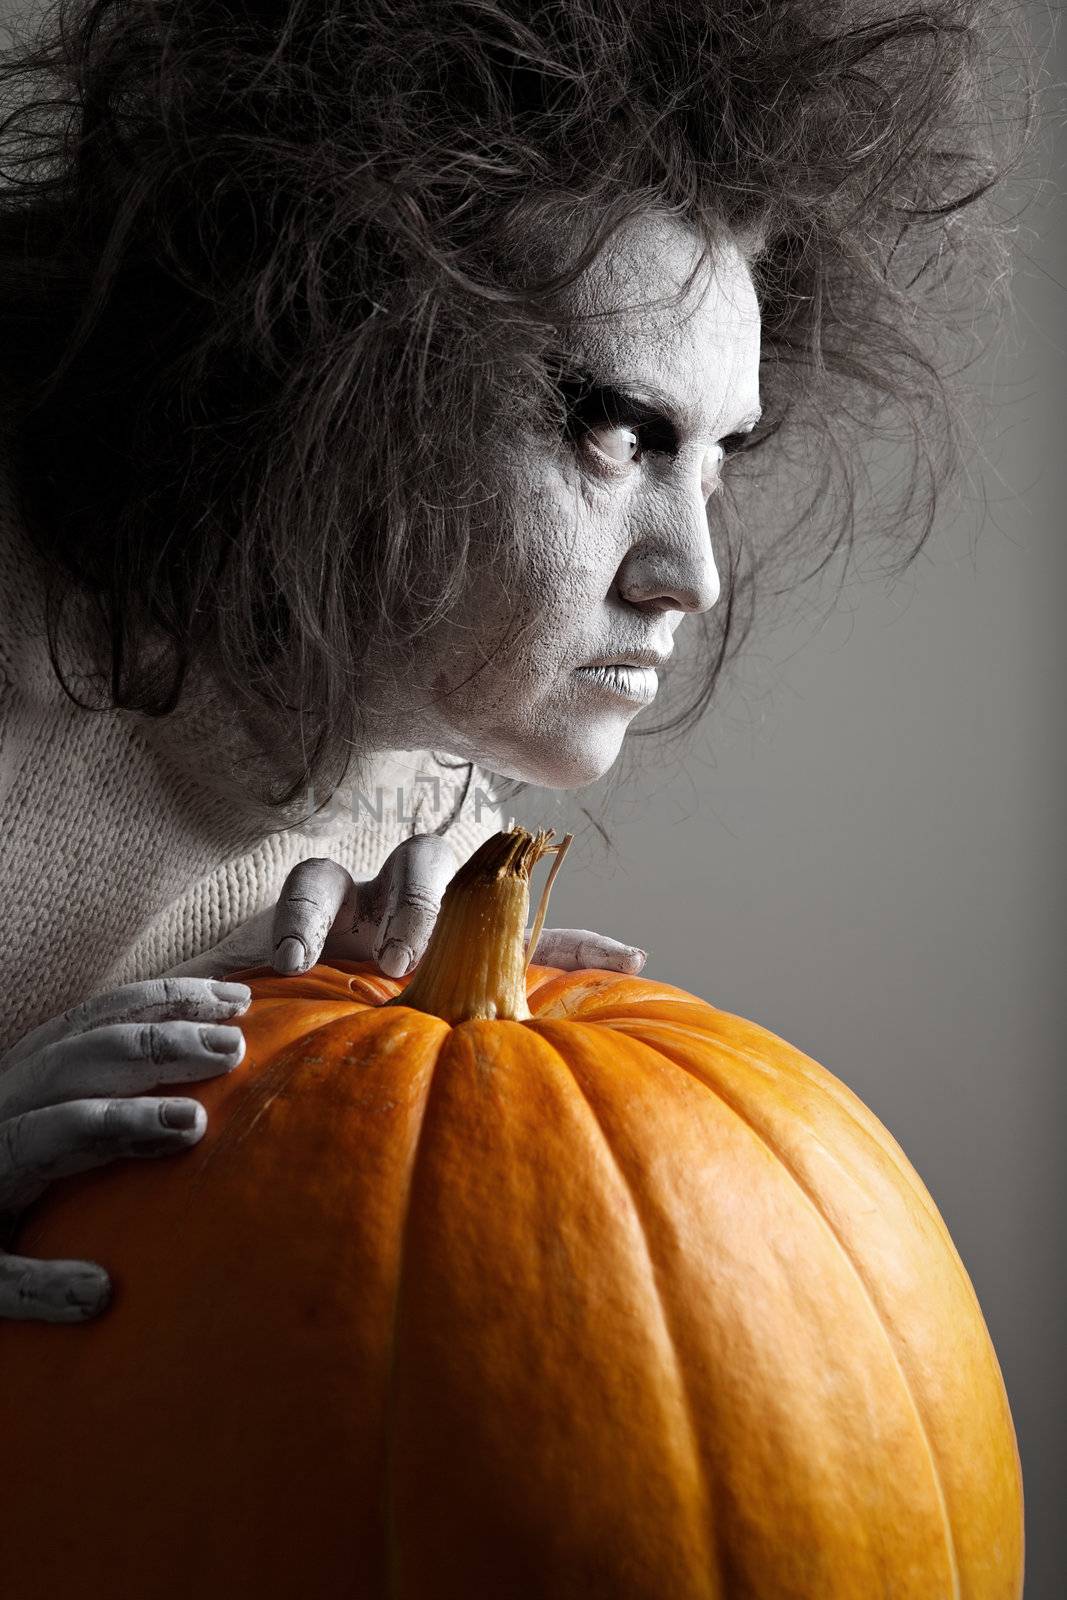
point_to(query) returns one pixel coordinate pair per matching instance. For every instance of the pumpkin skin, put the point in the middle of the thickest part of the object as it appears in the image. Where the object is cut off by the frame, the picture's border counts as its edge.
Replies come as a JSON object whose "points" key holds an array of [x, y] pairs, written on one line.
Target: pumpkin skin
{"points": [[630, 1301]]}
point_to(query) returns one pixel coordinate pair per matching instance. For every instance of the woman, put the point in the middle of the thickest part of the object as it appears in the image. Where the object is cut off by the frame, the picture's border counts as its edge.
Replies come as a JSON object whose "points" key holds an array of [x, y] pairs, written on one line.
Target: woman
{"points": [[384, 385]]}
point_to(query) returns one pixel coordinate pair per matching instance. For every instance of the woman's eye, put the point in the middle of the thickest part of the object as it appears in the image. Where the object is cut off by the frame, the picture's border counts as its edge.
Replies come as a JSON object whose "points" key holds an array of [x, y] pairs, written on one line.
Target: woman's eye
{"points": [[617, 442]]}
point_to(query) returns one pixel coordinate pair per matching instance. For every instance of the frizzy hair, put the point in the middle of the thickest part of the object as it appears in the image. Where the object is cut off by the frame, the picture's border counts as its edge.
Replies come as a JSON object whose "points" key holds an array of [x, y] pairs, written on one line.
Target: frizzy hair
{"points": [[269, 272]]}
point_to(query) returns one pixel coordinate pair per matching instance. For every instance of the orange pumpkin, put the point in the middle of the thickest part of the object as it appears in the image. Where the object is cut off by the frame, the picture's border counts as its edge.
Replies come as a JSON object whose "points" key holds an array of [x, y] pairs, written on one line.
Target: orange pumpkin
{"points": [[610, 1295]]}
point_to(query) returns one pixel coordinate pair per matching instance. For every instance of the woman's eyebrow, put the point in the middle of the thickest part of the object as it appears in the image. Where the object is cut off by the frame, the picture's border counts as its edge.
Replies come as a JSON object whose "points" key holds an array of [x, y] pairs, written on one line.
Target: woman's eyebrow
{"points": [[643, 404], [607, 402]]}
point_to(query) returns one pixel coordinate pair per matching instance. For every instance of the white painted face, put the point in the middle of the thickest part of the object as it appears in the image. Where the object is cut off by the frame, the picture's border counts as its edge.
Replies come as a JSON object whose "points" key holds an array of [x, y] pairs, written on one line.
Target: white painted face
{"points": [[611, 523]]}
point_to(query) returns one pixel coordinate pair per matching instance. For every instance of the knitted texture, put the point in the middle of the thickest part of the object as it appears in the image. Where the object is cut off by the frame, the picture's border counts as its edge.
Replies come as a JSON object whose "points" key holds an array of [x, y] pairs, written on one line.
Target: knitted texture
{"points": [[115, 864]]}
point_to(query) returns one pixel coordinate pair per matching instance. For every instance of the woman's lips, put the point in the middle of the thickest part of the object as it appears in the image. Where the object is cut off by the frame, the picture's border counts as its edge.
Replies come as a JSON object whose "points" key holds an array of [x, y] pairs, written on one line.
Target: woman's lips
{"points": [[626, 683]]}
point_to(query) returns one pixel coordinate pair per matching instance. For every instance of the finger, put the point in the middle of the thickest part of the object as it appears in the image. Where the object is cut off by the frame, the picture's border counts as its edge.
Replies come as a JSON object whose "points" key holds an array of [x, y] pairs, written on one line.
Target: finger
{"points": [[51, 1291], [415, 876], [573, 948], [316, 892], [152, 1000], [127, 1058], [38, 1147]]}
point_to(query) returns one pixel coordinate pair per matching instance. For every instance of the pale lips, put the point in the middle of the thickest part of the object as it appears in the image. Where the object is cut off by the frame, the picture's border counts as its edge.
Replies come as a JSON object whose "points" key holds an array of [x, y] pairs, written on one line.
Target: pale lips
{"points": [[622, 680]]}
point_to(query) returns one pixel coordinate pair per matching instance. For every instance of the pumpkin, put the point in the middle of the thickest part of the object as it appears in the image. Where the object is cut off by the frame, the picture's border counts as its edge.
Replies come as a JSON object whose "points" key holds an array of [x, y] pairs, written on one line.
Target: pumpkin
{"points": [[499, 1282]]}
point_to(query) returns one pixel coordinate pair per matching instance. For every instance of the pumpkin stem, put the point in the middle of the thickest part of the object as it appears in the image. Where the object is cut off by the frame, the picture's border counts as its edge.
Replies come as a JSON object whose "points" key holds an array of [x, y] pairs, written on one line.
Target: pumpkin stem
{"points": [[475, 962]]}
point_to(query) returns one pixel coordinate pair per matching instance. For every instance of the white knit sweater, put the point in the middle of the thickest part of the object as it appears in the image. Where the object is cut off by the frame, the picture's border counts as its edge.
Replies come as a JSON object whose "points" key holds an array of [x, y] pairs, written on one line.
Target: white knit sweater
{"points": [[116, 864]]}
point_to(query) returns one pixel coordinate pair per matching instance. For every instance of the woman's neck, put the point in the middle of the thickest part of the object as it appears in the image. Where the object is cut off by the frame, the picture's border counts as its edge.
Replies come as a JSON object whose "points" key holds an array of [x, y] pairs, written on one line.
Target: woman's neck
{"points": [[241, 754]]}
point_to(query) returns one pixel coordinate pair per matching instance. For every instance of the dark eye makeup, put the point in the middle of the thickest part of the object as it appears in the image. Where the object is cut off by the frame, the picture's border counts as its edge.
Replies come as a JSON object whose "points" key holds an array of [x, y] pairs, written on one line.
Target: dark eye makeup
{"points": [[598, 405]]}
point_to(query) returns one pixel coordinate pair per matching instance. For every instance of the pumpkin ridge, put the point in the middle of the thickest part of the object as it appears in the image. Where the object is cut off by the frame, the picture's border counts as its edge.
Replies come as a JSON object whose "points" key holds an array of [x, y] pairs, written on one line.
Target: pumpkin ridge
{"points": [[391, 1558], [265, 1088], [950, 1543], [577, 987], [537, 975], [890, 1147], [715, 1561]]}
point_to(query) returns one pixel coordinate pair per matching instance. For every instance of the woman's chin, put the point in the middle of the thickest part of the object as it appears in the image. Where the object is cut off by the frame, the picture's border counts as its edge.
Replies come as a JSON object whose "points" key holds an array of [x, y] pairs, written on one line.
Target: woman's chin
{"points": [[564, 763]]}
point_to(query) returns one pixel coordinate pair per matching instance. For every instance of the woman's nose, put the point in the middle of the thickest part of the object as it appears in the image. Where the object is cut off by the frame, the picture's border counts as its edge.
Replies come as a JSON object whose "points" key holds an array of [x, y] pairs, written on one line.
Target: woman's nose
{"points": [[670, 564]]}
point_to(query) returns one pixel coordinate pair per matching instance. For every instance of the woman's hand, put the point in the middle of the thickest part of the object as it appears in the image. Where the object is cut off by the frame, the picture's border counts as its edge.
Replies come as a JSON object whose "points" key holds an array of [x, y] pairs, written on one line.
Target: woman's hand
{"points": [[325, 913], [63, 1109]]}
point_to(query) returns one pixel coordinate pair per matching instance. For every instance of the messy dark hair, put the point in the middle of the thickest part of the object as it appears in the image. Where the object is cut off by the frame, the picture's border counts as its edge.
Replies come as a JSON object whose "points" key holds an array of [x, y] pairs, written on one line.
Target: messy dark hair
{"points": [[268, 271]]}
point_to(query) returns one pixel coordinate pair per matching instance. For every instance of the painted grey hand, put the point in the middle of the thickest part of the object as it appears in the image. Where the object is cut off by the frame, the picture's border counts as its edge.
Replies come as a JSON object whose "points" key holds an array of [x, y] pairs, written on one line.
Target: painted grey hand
{"points": [[324, 913], [62, 1110]]}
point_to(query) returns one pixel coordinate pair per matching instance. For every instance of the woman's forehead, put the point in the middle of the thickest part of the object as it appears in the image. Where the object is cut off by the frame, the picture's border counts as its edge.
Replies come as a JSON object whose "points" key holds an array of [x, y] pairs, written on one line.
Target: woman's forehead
{"points": [[649, 263], [628, 325]]}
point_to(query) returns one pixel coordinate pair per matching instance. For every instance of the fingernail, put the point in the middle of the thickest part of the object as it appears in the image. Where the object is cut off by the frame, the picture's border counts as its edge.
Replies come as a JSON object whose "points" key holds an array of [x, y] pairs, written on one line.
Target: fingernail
{"points": [[290, 955], [232, 993], [179, 1114], [396, 958], [89, 1291], [224, 1041]]}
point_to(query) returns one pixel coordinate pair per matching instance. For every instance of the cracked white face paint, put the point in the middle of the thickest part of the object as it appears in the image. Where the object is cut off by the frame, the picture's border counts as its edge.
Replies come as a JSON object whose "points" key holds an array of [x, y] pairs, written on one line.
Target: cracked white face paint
{"points": [[613, 543], [611, 524]]}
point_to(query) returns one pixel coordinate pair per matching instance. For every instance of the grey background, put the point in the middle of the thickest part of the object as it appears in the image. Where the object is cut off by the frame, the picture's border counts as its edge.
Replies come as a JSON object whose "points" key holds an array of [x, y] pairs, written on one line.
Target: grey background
{"points": [[862, 850]]}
